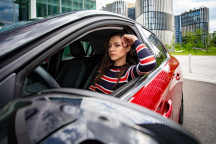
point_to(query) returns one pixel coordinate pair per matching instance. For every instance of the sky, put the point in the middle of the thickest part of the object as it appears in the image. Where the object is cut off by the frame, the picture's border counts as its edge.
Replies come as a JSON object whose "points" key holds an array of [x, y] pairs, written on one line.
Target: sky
{"points": [[180, 6]]}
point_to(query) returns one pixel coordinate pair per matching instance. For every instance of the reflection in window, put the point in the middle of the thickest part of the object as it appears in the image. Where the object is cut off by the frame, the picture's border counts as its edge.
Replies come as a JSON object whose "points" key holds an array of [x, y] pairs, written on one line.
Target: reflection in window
{"points": [[160, 53]]}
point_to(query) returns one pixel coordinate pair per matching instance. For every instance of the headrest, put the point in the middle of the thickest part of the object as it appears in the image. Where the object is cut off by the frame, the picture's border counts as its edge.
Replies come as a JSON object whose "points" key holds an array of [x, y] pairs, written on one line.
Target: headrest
{"points": [[77, 50]]}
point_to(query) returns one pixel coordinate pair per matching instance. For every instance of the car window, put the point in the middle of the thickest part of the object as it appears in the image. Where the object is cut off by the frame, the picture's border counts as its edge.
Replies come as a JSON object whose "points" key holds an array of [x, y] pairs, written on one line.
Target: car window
{"points": [[87, 48], [158, 48]]}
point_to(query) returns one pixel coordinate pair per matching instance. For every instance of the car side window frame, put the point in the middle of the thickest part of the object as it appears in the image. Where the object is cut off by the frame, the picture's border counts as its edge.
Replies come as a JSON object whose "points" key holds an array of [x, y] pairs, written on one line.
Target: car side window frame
{"points": [[156, 50]]}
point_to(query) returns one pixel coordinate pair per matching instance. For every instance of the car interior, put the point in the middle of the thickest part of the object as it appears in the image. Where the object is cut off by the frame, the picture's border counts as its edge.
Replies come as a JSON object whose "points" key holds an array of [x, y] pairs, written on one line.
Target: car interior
{"points": [[75, 65]]}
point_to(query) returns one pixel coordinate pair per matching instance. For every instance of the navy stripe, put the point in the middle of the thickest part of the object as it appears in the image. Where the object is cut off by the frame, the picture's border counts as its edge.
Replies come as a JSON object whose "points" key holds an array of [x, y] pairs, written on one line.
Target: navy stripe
{"points": [[144, 52]]}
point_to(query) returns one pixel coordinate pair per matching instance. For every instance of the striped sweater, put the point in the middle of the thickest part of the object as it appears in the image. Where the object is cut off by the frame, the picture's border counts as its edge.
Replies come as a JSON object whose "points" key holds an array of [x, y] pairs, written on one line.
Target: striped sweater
{"points": [[146, 63]]}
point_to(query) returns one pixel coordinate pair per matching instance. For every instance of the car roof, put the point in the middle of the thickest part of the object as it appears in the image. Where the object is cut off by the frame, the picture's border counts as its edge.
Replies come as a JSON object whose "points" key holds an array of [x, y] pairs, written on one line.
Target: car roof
{"points": [[14, 38]]}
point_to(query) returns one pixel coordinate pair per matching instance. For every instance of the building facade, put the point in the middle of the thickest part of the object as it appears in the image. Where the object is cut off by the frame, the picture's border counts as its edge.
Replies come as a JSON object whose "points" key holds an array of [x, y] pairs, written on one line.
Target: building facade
{"points": [[178, 34], [121, 7], [156, 15], [20, 10], [131, 13], [195, 19]]}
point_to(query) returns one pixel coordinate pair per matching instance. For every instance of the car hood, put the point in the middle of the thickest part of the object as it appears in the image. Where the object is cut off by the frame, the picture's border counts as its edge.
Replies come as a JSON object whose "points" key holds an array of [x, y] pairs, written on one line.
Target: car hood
{"points": [[64, 119]]}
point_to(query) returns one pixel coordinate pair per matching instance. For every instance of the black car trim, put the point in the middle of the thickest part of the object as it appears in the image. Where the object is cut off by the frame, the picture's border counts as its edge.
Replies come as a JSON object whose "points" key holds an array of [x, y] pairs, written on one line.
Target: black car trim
{"points": [[7, 89]]}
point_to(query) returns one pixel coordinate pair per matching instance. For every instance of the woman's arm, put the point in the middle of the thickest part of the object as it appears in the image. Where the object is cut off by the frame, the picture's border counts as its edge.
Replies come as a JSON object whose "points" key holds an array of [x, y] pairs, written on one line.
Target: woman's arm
{"points": [[146, 59]]}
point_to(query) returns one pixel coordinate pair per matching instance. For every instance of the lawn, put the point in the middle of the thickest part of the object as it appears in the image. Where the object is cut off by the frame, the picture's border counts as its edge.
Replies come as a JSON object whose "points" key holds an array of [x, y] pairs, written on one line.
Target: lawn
{"points": [[211, 51]]}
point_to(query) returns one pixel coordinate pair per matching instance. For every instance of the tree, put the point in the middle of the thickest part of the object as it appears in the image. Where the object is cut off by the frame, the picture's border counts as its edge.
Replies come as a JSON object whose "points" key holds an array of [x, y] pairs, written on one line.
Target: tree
{"points": [[190, 38], [173, 42], [213, 39], [184, 46], [177, 46]]}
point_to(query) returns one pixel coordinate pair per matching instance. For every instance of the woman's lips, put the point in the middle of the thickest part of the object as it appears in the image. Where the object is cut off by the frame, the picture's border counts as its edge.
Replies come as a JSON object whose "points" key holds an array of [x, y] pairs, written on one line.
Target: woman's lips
{"points": [[112, 54]]}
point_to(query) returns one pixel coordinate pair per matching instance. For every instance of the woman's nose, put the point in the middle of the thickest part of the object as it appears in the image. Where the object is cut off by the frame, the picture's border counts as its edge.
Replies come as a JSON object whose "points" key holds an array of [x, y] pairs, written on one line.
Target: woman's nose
{"points": [[111, 48]]}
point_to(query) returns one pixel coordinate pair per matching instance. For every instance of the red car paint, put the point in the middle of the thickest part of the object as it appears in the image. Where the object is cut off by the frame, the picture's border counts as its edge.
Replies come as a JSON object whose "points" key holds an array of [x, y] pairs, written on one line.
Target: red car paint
{"points": [[162, 93]]}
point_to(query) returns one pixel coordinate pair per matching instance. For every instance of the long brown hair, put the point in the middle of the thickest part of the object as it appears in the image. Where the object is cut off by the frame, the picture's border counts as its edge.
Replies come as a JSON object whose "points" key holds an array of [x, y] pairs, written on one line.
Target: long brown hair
{"points": [[107, 63]]}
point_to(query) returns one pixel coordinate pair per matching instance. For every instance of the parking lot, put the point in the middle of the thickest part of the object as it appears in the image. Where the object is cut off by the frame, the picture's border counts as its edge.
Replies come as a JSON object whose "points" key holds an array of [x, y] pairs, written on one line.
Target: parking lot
{"points": [[199, 88], [203, 68]]}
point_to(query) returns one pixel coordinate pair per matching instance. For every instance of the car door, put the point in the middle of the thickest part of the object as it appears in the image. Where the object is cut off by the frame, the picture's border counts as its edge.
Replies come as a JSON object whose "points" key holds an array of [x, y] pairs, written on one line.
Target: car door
{"points": [[154, 91]]}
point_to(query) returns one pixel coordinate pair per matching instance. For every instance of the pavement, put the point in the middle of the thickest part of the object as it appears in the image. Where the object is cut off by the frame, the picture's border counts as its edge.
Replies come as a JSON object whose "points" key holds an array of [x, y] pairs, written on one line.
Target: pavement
{"points": [[203, 68]]}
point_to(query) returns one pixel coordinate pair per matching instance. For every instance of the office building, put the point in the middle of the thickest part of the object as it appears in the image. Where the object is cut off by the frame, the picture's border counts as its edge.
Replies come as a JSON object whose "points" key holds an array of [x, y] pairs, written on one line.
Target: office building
{"points": [[19, 10], [178, 35], [195, 19], [121, 7], [131, 13], [156, 15]]}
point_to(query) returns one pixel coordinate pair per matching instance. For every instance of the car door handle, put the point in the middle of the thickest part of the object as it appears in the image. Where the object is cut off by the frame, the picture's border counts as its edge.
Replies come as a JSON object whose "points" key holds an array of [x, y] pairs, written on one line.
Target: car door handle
{"points": [[178, 76], [167, 114]]}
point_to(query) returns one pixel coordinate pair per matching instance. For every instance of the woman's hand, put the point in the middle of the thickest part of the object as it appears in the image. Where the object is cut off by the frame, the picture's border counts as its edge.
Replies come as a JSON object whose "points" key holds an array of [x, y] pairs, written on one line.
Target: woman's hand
{"points": [[128, 39]]}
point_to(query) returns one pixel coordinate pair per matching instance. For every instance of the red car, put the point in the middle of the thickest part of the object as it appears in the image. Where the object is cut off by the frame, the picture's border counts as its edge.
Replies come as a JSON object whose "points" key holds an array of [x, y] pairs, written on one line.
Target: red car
{"points": [[65, 51]]}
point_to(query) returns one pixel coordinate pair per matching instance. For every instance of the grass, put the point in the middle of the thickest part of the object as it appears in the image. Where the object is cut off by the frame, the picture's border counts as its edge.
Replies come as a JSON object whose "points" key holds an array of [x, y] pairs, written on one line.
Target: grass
{"points": [[211, 51]]}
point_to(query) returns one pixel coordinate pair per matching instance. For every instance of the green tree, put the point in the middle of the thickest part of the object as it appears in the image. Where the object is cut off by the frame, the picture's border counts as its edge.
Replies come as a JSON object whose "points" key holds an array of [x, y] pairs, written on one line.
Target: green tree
{"points": [[173, 43], [183, 46], [213, 39], [177, 46], [190, 38], [168, 47]]}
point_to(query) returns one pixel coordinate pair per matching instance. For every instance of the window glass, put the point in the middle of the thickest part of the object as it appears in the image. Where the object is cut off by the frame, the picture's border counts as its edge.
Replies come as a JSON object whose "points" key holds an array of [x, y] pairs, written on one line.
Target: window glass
{"points": [[158, 47]]}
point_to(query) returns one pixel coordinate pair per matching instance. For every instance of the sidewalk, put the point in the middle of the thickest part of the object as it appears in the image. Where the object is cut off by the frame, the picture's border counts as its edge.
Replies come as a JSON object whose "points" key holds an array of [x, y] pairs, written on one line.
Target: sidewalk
{"points": [[203, 68]]}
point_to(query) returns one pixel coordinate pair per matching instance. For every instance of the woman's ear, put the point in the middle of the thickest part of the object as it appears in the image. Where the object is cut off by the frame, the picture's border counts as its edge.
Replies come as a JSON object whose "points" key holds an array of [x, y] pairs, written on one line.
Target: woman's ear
{"points": [[128, 48]]}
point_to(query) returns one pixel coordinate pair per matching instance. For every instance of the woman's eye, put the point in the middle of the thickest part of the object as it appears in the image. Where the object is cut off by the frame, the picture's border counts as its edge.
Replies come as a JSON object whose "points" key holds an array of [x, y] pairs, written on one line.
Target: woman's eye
{"points": [[117, 45]]}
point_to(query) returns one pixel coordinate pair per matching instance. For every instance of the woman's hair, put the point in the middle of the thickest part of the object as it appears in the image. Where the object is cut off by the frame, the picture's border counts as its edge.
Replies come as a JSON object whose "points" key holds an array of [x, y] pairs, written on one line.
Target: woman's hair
{"points": [[107, 63]]}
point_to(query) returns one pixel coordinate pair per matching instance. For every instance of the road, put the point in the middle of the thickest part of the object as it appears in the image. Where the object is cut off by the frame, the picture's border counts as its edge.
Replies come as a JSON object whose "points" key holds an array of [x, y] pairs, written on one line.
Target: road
{"points": [[200, 110]]}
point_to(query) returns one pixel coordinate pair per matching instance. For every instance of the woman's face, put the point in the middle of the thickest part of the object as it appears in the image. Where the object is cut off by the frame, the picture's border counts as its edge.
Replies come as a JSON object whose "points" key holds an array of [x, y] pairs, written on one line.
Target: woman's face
{"points": [[117, 52]]}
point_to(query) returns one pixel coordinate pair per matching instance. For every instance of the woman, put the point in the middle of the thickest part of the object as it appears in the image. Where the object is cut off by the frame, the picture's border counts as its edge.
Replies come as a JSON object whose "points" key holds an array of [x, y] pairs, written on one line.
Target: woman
{"points": [[117, 67]]}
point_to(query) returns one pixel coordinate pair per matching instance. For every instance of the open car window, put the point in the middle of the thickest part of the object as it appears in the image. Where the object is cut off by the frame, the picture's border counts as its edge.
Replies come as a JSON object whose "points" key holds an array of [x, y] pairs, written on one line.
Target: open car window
{"points": [[76, 64]]}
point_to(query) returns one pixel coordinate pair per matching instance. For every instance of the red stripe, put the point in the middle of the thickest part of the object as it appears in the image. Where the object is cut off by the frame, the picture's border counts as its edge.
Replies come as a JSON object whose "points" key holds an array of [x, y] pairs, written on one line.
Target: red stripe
{"points": [[147, 60], [92, 87], [102, 89], [141, 73], [115, 80], [140, 47]]}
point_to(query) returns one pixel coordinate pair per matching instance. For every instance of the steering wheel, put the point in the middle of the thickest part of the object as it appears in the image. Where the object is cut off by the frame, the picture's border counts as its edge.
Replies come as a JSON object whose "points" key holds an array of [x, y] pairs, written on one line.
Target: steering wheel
{"points": [[48, 79]]}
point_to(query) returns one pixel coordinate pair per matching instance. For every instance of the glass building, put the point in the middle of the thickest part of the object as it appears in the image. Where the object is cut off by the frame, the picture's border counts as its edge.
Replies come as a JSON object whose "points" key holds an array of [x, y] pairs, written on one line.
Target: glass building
{"points": [[12, 11], [120, 7], [131, 13], [156, 15], [178, 35], [195, 19]]}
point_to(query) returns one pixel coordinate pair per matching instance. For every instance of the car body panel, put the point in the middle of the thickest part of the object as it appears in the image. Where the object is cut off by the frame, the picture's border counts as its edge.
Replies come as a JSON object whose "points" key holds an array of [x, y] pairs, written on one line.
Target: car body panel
{"points": [[23, 49], [69, 116]]}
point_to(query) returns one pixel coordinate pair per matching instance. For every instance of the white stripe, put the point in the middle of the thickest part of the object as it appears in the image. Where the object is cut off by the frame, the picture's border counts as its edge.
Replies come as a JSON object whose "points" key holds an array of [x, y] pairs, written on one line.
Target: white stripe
{"points": [[115, 70], [141, 73], [147, 57], [132, 74], [114, 82], [141, 48], [103, 88], [91, 89], [151, 62]]}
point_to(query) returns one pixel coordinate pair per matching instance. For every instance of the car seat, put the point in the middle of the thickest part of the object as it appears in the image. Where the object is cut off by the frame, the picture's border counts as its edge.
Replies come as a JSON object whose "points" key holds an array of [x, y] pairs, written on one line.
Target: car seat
{"points": [[77, 69]]}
